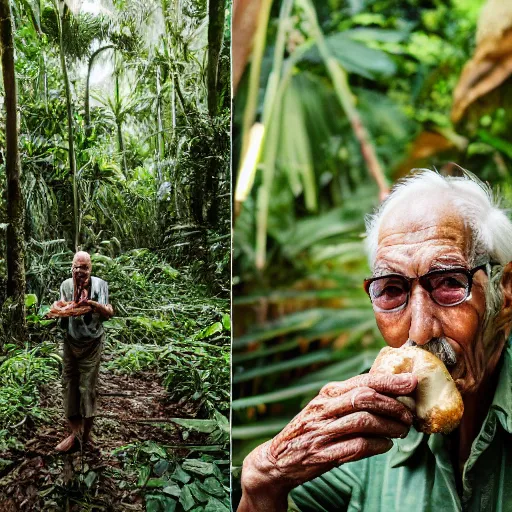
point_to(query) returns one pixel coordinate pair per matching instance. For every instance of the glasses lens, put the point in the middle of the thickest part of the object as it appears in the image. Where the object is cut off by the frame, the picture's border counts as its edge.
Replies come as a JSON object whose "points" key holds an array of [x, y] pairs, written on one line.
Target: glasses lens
{"points": [[450, 288], [388, 293]]}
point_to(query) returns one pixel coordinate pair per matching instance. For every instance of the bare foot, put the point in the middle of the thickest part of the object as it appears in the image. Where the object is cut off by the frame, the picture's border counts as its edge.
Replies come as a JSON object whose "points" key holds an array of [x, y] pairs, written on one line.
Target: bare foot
{"points": [[66, 445]]}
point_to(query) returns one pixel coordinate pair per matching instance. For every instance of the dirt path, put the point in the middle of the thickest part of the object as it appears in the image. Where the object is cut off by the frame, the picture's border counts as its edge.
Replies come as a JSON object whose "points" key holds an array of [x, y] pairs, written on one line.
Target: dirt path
{"points": [[105, 476]]}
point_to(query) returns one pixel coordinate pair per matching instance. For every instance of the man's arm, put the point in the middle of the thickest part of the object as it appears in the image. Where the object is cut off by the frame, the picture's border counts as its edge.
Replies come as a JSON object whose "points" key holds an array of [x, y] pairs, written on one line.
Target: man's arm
{"points": [[104, 310], [102, 307], [347, 421]]}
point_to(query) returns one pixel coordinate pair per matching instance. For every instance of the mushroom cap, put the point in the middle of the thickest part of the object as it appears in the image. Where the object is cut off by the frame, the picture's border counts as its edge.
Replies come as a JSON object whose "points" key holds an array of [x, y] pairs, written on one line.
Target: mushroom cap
{"points": [[439, 405]]}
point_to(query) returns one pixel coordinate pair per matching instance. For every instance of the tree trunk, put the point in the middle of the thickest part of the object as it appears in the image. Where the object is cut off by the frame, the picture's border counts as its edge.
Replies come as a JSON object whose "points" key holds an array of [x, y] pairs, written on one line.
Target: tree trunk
{"points": [[15, 207], [118, 119], [216, 17], [71, 143], [88, 128], [160, 127]]}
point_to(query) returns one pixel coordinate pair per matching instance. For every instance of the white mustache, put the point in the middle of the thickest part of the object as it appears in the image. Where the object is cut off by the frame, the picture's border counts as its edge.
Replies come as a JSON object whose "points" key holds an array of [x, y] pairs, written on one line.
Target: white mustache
{"points": [[439, 347]]}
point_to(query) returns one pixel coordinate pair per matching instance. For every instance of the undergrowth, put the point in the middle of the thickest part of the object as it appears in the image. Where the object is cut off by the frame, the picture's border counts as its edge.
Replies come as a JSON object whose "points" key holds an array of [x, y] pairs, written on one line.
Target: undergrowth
{"points": [[166, 327]]}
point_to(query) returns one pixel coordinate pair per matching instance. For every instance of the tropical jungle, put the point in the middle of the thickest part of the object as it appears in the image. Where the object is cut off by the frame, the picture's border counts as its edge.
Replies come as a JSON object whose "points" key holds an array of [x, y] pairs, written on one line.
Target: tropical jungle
{"points": [[115, 139], [334, 102]]}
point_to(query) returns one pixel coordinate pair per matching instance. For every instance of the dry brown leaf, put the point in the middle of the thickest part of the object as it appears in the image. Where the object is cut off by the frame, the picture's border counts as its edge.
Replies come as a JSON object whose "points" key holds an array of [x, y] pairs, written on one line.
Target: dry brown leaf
{"points": [[424, 146], [491, 64], [245, 21]]}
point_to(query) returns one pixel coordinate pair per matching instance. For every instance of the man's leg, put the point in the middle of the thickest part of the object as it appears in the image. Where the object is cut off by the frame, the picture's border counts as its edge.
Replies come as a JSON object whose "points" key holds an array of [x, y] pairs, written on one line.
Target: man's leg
{"points": [[87, 429], [70, 387], [75, 424], [89, 372]]}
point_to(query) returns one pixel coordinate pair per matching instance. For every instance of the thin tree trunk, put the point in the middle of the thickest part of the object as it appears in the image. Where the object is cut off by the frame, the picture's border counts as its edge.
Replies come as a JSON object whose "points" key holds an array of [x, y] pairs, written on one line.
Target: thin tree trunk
{"points": [[15, 207], [71, 143], [216, 18], [173, 105], [118, 122], [88, 128], [120, 143], [160, 126]]}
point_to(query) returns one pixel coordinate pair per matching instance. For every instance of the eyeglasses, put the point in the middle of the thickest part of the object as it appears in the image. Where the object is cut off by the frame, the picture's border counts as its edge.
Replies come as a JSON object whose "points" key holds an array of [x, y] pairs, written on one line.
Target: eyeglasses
{"points": [[80, 267], [446, 287]]}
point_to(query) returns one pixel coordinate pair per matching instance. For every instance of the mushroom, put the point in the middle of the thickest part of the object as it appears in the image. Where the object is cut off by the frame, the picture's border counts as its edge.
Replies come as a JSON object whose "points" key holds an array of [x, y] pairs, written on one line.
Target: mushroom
{"points": [[436, 402]]}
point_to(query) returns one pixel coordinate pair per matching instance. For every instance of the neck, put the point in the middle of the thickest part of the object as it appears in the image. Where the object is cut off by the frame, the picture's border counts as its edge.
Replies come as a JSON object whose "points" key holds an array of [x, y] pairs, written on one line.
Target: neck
{"points": [[476, 407]]}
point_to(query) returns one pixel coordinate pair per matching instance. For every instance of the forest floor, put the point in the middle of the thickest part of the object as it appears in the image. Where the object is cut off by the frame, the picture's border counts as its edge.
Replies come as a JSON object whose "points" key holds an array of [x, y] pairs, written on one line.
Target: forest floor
{"points": [[161, 435], [133, 410]]}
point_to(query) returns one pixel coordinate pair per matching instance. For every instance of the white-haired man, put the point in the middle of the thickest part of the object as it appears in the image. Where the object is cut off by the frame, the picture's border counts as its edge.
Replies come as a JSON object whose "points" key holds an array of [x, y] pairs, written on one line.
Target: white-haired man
{"points": [[82, 348], [337, 454]]}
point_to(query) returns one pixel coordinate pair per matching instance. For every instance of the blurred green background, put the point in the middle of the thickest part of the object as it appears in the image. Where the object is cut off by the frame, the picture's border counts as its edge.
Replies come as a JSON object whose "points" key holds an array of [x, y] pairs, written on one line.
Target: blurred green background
{"points": [[344, 91]]}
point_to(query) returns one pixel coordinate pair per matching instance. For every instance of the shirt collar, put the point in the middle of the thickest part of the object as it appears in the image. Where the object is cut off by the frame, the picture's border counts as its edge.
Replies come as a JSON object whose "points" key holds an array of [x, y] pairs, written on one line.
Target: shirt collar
{"points": [[502, 401]]}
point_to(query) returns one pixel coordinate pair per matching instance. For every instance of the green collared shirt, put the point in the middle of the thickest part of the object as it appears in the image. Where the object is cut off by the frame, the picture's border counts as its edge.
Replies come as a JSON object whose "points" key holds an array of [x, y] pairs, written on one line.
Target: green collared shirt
{"points": [[417, 475]]}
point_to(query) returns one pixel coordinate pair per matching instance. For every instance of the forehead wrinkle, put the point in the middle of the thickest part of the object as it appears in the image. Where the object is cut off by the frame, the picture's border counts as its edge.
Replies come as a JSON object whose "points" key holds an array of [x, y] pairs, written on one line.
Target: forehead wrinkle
{"points": [[388, 240]]}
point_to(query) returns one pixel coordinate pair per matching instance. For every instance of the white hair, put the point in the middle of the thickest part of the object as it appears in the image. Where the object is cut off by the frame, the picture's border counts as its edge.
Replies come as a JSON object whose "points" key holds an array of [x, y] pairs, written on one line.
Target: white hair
{"points": [[473, 199]]}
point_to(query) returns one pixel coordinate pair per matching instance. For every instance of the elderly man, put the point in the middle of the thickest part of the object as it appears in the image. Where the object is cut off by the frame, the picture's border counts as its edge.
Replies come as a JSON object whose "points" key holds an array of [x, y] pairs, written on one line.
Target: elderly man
{"points": [[448, 249], [82, 347]]}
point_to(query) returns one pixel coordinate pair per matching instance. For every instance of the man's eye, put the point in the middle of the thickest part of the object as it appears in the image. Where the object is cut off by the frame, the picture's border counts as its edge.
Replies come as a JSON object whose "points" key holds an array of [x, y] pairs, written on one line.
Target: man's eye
{"points": [[391, 291], [450, 282]]}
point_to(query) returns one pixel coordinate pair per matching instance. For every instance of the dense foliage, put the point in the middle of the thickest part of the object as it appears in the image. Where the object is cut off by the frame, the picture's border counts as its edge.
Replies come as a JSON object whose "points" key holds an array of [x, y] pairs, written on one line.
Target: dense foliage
{"points": [[301, 316], [122, 155]]}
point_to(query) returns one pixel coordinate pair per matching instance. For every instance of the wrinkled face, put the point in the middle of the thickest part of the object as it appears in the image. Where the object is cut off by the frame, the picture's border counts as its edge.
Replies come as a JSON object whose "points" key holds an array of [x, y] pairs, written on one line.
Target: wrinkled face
{"points": [[417, 239], [81, 268]]}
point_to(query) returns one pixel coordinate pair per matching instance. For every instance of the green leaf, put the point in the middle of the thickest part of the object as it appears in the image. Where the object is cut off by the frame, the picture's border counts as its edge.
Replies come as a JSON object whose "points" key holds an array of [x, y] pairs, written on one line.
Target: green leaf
{"points": [[172, 490], [377, 34], [226, 322], [285, 325], [90, 478], [263, 428], [212, 486], [152, 448], [180, 476], [186, 498], [209, 331], [203, 426], [160, 503], [30, 300], [314, 357], [198, 467], [276, 396], [214, 505], [156, 482], [160, 467], [356, 57], [197, 492], [144, 473]]}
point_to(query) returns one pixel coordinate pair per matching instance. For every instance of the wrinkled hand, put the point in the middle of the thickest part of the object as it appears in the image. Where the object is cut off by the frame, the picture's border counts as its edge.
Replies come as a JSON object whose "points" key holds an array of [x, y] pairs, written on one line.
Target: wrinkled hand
{"points": [[94, 305], [347, 421], [103, 310]]}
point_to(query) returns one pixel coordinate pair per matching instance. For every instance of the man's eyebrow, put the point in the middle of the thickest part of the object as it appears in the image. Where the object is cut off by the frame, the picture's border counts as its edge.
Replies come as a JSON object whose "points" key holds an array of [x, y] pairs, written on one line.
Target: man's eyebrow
{"points": [[447, 264], [384, 271]]}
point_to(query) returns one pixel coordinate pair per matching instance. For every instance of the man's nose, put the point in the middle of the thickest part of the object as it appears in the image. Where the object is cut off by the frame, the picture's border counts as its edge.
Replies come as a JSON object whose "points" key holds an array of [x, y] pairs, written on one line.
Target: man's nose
{"points": [[424, 323]]}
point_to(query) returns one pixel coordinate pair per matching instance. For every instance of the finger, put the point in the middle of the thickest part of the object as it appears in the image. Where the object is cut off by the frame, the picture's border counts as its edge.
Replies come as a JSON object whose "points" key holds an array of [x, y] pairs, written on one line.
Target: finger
{"points": [[401, 384], [365, 399], [363, 423], [348, 450]]}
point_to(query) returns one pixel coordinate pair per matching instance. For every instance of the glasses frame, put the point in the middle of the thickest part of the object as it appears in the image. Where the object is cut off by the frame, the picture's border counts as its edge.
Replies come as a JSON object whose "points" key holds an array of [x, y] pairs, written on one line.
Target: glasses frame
{"points": [[424, 282]]}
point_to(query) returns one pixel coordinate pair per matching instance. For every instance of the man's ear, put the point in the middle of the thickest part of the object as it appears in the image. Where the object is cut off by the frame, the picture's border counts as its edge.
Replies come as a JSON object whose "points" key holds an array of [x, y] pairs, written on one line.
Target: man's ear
{"points": [[503, 320], [506, 287]]}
